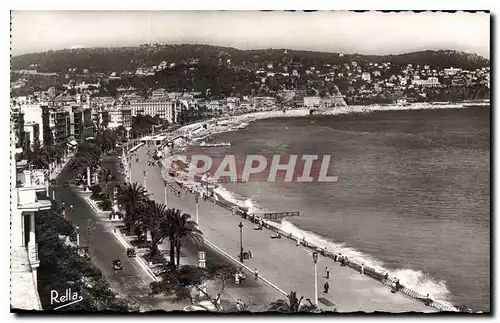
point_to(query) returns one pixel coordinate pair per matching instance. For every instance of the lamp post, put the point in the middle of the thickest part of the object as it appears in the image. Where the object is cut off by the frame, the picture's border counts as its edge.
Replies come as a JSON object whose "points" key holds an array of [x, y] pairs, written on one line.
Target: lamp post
{"points": [[166, 187], [77, 236], [315, 259], [196, 198], [241, 241]]}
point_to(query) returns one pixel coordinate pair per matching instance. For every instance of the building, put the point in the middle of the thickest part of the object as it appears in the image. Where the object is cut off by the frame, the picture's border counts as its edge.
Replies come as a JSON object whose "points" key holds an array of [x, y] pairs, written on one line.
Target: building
{"points": [[29, 188], [430, 82], [164, 108], [366, 76], [31, 117], [312, 101], [56, 125], [298, 99], [452, 71], [159, 94]]}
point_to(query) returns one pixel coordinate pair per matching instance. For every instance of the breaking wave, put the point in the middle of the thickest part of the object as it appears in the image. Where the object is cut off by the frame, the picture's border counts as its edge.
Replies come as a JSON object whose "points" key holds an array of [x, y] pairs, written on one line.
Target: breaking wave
{"points": [[413, 279]]}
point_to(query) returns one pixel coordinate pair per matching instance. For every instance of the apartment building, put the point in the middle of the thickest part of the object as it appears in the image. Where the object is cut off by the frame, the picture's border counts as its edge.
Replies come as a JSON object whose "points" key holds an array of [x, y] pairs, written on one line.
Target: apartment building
{"points": [[28, 187]]}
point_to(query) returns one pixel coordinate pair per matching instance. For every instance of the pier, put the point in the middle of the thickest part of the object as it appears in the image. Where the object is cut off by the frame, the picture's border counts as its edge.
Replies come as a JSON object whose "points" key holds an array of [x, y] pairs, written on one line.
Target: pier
{"points": [[276, 215]]}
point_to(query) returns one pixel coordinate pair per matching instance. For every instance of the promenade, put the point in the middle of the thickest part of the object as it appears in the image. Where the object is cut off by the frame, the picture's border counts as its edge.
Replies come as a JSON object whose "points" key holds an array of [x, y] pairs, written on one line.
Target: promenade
{"points": [[284, 264], [133, 282]]}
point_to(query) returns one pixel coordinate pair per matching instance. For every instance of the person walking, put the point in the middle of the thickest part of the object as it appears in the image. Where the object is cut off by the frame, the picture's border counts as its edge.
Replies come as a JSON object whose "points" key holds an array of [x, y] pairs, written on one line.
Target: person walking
{"points": [[256, 274], [327, 271], [362, 269], [326, 287]]}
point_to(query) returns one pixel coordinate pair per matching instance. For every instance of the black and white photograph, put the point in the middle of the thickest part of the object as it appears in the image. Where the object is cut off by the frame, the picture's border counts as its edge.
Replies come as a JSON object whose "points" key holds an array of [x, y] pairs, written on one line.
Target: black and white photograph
{"points": [[244, 162]]}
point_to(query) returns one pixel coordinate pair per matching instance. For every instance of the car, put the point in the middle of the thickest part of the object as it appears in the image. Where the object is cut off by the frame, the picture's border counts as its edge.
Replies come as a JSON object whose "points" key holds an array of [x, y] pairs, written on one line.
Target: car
{"points": [[131, 252], [117, 264]]}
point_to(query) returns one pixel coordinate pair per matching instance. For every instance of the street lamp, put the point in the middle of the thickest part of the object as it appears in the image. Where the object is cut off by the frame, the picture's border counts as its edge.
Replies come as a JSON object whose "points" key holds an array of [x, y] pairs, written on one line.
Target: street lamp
{"points": [[241, 241], [77, 236], [196, 198], [166, 198], [315, 259]]}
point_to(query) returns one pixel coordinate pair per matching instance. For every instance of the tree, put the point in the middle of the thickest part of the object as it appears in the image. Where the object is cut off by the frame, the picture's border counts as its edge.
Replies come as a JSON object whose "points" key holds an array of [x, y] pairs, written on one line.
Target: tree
{"points": [[292, 305], [153, 216], [105, 175], [131, 195], [96, 192], [61, 267], [183, 228], [87, 157], [187, 282]]}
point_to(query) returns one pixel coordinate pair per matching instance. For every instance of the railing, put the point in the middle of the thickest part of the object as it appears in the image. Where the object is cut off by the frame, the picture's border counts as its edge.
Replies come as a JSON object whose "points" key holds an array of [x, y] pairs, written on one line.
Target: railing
{"points": [[371, 272], [32, 251]]}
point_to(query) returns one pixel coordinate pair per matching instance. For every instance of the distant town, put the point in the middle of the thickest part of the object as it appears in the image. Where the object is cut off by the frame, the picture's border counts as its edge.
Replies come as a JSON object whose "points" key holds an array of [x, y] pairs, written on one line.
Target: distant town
{"points": [[72, 103]]}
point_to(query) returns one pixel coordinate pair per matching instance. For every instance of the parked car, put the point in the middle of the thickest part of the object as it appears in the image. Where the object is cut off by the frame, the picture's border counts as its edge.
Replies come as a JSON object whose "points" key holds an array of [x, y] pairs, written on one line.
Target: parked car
{"points": [[117, 265], [131, 252]]}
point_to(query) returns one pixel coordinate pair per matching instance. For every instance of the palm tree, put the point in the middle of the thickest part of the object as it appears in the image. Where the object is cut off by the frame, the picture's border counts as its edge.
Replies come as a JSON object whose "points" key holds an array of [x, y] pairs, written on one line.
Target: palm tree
{"points": [[132, 196], [105, 174], [292, 305], [153, 216], [87, 157], [183, 228]]}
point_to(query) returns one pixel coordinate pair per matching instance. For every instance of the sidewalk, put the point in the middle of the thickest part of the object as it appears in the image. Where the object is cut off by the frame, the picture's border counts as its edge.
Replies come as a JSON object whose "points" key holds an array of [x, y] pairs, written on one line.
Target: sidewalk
{"points": [[55, 172], [286, 265]]}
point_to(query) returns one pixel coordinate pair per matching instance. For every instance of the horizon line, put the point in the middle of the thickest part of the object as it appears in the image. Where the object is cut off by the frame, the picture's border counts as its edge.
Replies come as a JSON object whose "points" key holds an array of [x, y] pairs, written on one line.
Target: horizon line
{"points": [[249, 49]]}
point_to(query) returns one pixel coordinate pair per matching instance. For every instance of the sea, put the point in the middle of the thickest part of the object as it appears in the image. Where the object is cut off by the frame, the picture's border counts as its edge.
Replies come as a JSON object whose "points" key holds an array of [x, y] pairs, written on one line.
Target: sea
{"points": [[412, 196]]}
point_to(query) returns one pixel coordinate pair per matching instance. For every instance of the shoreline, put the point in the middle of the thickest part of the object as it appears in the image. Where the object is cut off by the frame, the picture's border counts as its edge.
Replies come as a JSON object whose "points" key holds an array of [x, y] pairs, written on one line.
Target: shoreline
{"points": [[352, 291], [196, 132], [234, 123]]}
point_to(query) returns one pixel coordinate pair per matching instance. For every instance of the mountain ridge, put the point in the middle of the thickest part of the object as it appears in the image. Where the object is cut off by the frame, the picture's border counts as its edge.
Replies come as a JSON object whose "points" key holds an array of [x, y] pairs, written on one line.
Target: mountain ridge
{"points": [[129, 58]]}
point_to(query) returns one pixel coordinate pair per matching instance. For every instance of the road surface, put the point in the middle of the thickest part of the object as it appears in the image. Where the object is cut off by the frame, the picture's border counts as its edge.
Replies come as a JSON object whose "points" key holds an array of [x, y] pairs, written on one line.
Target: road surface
{"points": [[132, 282]]}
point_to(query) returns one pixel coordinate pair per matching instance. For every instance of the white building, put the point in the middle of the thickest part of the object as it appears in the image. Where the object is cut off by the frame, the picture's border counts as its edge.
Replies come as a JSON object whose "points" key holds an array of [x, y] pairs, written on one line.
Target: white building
{"points": [[32, 114], [165, 109], [312, 101], [366, 76], [25, 205]]}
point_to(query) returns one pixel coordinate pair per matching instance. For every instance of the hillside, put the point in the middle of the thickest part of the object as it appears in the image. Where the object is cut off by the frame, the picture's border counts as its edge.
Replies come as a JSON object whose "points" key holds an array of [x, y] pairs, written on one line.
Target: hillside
{"points": [[129, 58]]}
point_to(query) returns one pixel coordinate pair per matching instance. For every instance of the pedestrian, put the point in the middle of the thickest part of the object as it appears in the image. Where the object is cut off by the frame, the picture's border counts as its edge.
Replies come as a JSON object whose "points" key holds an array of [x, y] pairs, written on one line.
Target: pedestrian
{"points": [[256, 274], [362, 269], [326, 287], [237, 278], [327, 271], [110, 215], [428, 300], [335, 257], [386, 277]]}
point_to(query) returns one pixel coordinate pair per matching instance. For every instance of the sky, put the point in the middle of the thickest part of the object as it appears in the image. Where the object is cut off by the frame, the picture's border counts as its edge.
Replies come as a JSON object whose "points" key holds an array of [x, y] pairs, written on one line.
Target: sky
{"points": [[330, 31]]}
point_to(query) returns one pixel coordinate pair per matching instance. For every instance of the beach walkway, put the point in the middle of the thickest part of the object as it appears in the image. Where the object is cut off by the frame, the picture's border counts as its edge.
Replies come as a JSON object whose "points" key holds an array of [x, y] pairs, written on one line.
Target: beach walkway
{"points": [[286, 265]]}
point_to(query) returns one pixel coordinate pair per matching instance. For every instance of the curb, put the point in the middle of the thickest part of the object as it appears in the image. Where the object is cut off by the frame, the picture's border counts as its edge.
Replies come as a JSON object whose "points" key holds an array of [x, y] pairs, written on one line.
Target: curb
{"points": [[126, 245], [225, 254], [138, 259]]}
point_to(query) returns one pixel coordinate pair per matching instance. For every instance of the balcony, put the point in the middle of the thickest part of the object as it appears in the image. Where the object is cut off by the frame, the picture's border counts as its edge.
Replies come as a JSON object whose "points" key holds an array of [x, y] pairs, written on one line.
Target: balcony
{"points": [[28, 201], [32, 251], [31, 179]]}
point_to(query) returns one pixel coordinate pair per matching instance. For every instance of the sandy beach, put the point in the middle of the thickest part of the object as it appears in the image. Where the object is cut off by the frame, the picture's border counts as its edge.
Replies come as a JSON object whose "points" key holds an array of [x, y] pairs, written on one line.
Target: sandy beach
{"points": [[349, 290]]}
